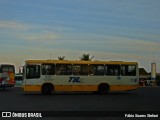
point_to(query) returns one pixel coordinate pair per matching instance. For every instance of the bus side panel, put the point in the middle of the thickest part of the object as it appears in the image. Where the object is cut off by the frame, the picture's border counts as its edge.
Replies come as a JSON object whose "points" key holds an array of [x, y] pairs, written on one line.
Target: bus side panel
{"points": [[75, 87], [32, 88]]}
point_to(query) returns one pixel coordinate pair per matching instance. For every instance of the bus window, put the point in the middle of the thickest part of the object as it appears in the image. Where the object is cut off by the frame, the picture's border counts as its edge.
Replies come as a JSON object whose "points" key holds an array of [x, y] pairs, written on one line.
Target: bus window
{"points": [[63, 69], [96, 70], [128, 70], [33, 71], [113, 70], [8, 69], [80, 69], [48, 69]]}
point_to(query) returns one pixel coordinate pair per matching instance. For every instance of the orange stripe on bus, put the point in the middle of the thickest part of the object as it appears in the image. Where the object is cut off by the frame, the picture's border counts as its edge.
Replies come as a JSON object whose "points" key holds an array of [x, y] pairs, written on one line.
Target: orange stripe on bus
{"points": [[80, 87]]}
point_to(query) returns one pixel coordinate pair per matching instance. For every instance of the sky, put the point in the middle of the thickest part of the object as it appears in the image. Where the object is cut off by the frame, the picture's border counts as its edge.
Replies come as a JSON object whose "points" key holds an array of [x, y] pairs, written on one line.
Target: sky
{"points": [[111, 30]]}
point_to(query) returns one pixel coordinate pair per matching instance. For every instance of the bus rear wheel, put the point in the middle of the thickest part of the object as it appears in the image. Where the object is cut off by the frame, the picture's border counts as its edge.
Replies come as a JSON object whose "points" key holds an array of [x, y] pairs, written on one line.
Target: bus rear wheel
{"points": [[103, 88], [47, 89]]}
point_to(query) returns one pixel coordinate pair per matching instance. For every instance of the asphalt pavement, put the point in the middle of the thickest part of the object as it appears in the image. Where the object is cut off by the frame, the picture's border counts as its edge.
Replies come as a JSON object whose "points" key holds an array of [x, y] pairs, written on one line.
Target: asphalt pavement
{"points": [[142, 99]]}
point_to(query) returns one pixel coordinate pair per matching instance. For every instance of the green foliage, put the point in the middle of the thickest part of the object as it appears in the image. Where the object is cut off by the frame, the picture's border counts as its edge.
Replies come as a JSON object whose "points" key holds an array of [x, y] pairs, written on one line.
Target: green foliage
{"points": [[86, 57], [61, 57]]}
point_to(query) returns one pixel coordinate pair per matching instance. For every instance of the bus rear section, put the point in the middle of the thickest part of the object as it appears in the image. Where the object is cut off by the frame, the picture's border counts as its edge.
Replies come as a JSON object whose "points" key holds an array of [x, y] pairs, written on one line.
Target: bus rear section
{"points": [[7, 75]]}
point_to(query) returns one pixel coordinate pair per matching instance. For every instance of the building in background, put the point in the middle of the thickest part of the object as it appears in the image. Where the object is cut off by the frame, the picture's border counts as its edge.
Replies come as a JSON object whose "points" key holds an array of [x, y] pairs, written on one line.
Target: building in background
{"points": [[148, 79]]}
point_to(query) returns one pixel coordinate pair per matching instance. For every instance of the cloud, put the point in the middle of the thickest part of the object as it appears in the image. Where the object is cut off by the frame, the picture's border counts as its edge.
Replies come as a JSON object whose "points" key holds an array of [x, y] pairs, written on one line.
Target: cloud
{"points": [[37, 36], [27, 32], [131, 44], [13, 25]]}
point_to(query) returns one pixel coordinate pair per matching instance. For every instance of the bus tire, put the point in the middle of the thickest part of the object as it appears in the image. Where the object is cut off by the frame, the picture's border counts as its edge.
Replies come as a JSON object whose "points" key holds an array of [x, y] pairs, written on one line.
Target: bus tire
{"points": [[47, 89], [103, 88]]}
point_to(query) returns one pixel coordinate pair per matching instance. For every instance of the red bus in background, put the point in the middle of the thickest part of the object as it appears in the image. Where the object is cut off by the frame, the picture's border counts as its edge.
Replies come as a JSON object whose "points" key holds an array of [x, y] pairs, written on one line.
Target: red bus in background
{"points": [[7, 75]]}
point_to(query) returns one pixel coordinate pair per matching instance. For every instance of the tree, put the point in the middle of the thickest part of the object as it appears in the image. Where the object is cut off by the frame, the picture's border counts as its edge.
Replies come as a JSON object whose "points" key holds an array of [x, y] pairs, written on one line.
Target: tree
{"points": [[61, 57], [86, 57]]}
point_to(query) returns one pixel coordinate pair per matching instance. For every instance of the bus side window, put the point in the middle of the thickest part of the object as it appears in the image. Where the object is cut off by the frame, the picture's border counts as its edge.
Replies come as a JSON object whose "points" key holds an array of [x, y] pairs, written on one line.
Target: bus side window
{"points": [[32, 71], [63, 69], [80, 69], [91, 69], [96, 70], [113, 70], [128, 70], [48, 69]]}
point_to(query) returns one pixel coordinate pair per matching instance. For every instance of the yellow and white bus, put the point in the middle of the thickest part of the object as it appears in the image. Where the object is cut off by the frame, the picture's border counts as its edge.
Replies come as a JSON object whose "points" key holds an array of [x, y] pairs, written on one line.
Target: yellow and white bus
{"points": [[47, 76]]}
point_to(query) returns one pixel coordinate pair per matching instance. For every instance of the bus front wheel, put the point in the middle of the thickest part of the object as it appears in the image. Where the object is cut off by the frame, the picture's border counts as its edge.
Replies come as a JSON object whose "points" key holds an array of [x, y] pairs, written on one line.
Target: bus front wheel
{"points": [[47, 89], [103, 88]]}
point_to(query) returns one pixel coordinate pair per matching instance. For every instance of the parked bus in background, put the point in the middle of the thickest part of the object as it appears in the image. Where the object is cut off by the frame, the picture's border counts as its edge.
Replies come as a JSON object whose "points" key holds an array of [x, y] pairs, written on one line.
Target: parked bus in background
{"points": [[18, 80], [7, 75], [47, 76]]}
